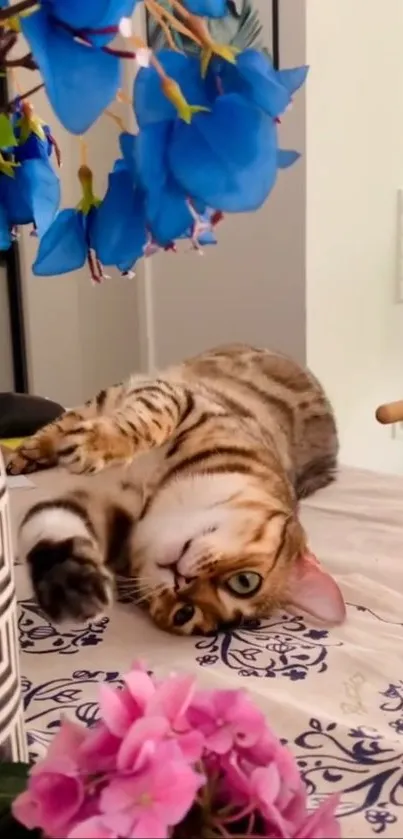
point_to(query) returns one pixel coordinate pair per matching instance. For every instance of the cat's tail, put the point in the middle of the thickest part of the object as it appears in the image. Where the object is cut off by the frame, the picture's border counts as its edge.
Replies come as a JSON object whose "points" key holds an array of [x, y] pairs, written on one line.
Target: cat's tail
{"points": [[73, 546]]}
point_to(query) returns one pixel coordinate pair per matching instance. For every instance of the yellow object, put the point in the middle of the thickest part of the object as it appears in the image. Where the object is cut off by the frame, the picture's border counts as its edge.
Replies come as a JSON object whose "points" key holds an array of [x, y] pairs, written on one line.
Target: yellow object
{"points": [[12, 443], [173, 92]]}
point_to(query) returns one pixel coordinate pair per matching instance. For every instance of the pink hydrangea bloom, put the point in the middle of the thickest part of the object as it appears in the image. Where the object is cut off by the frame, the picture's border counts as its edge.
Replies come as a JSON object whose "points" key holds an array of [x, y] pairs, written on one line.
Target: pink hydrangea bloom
{"points": [[147, 803], [141, 771], [227, 718], [56, 791]]}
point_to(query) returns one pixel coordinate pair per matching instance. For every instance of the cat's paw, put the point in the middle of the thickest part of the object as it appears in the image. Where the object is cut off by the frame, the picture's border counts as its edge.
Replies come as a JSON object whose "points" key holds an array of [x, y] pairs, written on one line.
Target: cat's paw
{"points": [[33, 454], [90, 446], [68, 580]]}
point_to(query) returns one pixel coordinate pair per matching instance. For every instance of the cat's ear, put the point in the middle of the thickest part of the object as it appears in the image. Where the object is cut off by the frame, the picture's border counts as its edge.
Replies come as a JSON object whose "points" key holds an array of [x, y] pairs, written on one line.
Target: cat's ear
{"points": [[315, 592]]}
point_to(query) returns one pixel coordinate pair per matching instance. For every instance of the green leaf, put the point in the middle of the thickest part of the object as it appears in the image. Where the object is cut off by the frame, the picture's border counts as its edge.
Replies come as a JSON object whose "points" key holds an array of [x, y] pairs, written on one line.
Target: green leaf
{"points": [[11, 829], [13, 780], [7, 136]]}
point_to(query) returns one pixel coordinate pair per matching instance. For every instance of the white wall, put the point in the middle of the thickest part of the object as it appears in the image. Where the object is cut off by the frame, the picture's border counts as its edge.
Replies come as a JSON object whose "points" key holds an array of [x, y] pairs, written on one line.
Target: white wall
{"points": [[354, 167]]}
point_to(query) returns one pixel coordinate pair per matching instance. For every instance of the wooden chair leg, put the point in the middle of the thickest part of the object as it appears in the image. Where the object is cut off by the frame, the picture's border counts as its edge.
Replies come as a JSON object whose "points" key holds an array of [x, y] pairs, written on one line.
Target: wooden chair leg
{"points": [[390, 412]]}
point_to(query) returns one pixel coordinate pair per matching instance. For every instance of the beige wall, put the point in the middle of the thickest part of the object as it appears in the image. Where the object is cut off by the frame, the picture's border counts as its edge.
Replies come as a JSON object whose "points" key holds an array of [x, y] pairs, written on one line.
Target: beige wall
{"points": [[6, 361], [354, 169]]}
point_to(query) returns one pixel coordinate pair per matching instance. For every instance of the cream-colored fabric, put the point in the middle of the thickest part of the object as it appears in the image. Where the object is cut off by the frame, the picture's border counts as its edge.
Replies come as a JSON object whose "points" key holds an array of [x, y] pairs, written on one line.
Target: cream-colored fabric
{"points": [[336, 696]]}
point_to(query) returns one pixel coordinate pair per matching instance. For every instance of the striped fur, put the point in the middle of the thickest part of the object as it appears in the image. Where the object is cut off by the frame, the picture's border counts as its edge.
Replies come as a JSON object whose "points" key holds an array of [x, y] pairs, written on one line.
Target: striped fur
{"points": [[213, 534]]}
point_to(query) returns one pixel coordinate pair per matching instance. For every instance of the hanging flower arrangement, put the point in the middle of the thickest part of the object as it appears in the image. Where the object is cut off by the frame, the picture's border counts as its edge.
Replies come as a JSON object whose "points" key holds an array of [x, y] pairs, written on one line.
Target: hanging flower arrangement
{"points": [[207, 138]]}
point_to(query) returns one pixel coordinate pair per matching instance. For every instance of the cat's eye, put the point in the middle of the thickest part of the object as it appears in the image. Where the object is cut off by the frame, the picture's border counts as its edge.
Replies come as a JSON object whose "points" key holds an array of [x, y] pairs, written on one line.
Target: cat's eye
{"points": [[183, 615], [244, 584]]}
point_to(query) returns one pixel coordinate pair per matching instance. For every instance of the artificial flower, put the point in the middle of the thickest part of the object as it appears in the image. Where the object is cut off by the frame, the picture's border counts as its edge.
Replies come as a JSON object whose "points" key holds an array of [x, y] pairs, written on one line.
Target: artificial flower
{"points": [[254, 76], [230, 170], [67, 243], [80, 80], [30, 194], [119, 233], [184, 95], [96, 19]]}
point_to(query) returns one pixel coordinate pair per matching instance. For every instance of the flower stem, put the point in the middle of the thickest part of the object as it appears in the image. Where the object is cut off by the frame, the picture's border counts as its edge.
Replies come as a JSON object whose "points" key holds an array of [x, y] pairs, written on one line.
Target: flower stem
{"points": [[153, 10], [175, 23], [238, 816], [17, 9], [26, 61], [195, 24], [11, 105]]}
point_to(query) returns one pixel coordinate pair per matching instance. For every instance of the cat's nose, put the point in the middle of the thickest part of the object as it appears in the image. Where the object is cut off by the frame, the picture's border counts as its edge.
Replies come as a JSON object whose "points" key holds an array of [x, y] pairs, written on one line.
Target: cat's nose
{"points": [[180, 580]]}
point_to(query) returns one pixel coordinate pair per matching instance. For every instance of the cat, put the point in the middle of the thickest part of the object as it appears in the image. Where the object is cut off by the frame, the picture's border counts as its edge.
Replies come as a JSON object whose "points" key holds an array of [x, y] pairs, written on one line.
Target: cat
{"points": [[232, 439]]}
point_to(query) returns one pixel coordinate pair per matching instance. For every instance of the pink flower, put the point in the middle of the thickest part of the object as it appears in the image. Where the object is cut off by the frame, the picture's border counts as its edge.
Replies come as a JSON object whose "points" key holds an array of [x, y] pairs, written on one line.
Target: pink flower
{"points": [[227, 719], [119, 708], [322, 823], [54, 796], [92, 828], [55, 790], [134, 774], [171, 700], [141, 743], [147, 804]]}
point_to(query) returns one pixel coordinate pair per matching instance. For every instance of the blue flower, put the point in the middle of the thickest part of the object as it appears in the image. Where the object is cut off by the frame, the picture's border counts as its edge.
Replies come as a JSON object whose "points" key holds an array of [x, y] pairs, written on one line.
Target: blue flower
{"points": [[31, 195], [227, 158], [67, 244], [5, 235], [153, 102], [207, 8], [91, 17], [80, 81], [118, 233], [254, 76], [166, 205]]}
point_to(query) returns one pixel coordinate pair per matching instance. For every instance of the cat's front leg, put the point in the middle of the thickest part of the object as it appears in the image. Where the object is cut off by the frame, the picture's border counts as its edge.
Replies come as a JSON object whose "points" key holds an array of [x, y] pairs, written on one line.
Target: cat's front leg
{"points": [[147, 418], [42, 450], [74, 545]]}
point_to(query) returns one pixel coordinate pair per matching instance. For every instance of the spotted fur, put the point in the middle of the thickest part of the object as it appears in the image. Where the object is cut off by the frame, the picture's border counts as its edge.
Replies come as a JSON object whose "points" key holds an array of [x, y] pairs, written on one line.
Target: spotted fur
{"points": [[212, 534]]}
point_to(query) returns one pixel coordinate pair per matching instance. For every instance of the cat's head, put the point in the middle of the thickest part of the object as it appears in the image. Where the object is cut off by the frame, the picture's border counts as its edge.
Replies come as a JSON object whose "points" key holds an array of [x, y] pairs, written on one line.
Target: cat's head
{"points": [[234, 565]]}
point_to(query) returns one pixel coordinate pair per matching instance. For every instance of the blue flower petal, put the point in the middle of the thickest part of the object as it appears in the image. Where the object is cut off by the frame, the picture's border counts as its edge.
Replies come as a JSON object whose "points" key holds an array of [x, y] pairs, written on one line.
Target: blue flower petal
{"points": [[128, 145], [34, 147], [254, 77], [80, 81], [286, 158], [207, 8], [5, 238], [227, 158], [151, 104], [168, 214], [92, 14], [63, 248], [16, 198], [151, 155], [43, 186], [118, 234], [293, 79]]}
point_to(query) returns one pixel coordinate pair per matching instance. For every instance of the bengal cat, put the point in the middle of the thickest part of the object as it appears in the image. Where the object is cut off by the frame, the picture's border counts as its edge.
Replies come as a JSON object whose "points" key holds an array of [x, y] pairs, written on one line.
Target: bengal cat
{"points": [[212, 534]]}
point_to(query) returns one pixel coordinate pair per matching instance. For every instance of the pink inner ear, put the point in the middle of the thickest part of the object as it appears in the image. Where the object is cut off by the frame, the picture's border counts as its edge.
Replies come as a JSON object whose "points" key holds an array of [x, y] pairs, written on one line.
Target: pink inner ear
{"points": [[313, 591]]}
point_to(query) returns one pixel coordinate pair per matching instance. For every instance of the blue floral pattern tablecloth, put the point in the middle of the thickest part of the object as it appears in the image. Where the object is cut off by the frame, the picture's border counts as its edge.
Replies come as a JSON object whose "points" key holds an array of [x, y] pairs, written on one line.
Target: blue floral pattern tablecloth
{"points": [[335, 696]]}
